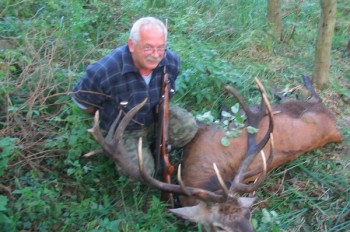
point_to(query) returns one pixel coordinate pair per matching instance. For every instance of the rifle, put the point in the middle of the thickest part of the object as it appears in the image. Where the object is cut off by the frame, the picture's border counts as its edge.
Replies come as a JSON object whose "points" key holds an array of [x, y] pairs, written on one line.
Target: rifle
{"points": [[168, 169], [162, 146]]}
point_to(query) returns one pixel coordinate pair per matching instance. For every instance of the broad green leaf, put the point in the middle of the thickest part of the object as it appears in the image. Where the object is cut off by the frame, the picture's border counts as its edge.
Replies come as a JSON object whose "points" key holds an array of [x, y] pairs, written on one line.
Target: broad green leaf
{"points": [[235, 108], [252, 130], [233, 133], [206, 117], [239, 119], [226, 114], [225, 122], [3, 202], [225, 142]]}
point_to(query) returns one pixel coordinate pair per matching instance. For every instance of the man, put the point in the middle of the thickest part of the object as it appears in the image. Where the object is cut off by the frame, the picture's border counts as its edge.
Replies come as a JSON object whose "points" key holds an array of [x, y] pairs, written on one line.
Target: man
{"points": [[128, 75]]}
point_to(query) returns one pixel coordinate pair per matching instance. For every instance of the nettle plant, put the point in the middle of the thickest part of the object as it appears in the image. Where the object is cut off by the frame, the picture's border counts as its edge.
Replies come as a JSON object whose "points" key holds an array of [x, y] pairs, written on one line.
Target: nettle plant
{"points": [[231, 121]]}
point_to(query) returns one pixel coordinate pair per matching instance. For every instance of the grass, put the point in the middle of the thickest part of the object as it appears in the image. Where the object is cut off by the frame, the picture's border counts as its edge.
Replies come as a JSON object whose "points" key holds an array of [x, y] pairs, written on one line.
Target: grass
{"points": [[44, 49], [309, 194]]}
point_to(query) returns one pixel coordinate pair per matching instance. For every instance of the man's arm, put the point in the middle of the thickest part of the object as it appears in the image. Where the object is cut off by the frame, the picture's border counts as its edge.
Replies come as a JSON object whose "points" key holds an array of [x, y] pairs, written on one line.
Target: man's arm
{"points": [[89, 110]]}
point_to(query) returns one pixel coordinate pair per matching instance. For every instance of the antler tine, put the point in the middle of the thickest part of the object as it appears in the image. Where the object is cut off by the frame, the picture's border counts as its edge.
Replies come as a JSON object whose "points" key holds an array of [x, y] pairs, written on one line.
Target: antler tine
{"points": [[182, 185], [97, 134], [112, 129], [221, 180], [254, 147], [107, 144], [258, 170], [181, 189], [112, 144], [92, 153], [125, 121], [269, 113], [253, 119], [241, 101], [237, 184]]}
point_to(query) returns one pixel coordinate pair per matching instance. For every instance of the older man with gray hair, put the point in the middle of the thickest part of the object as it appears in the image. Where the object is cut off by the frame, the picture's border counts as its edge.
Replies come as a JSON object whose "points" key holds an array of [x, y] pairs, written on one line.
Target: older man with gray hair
{"points": [[125, 77]]}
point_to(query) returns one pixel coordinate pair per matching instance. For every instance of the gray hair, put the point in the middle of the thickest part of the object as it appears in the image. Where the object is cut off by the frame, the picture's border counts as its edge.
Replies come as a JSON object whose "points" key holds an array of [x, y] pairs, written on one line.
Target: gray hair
{"points": [[146, 21]]}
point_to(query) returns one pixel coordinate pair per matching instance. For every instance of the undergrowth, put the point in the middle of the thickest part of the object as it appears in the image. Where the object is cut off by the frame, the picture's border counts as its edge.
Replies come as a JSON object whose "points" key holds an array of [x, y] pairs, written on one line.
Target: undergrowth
{"points": [[46, 184]]}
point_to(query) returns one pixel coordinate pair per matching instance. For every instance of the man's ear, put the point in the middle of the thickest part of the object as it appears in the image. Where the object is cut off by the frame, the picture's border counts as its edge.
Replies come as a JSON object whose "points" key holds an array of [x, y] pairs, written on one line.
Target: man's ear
{"points": [[131, 45]]}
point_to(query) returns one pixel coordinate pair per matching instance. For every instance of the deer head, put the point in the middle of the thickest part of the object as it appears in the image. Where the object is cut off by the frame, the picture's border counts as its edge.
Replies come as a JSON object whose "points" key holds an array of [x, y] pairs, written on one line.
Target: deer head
{"points": [[224, 210]]}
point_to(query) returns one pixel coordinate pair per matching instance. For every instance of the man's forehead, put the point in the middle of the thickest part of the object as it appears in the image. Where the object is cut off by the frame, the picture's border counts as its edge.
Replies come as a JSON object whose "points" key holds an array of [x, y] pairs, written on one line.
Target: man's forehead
{"points": [[147, 29], [152, 35]]}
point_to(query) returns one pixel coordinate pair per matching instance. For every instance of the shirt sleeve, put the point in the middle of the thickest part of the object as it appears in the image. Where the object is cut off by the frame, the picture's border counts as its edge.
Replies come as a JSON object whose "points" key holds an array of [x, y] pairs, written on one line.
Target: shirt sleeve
{"points": [[88, 92]]}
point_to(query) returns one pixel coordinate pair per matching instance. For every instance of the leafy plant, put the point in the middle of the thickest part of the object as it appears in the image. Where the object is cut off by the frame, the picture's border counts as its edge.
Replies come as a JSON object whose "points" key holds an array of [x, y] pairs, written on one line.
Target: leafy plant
{"points": [[268, 221], [5, 221], [9, 151], [233, 124]]}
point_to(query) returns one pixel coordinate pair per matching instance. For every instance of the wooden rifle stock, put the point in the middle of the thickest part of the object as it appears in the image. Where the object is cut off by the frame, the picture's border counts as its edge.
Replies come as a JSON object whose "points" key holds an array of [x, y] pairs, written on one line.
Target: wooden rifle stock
{"points": [[168, 169]]}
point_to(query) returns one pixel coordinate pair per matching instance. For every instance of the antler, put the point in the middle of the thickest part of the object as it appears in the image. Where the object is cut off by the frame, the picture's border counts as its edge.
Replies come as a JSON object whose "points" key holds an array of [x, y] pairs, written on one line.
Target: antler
{"points": [[253, 119], [113, 144], [253, 148], [181, 189], [308, 85]]}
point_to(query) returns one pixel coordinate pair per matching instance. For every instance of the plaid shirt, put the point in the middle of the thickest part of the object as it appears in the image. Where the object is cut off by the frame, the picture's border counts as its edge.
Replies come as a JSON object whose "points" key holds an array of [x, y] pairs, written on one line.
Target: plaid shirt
{"points": [[114, 79]]}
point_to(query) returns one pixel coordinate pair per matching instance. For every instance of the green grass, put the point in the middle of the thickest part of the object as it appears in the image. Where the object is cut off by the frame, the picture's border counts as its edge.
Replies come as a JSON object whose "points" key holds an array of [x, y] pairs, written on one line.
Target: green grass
{"points": [[310, 193], [46, 184]]}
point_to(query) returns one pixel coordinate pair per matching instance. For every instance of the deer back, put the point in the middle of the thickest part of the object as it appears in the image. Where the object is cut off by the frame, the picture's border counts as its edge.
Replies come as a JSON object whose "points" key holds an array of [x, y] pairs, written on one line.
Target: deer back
{"points": [[299, 127]]}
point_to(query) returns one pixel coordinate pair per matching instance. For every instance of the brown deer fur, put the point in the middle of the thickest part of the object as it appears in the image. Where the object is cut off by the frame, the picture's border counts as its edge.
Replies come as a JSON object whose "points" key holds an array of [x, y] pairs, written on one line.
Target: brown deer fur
{"points": [[299, 127]]}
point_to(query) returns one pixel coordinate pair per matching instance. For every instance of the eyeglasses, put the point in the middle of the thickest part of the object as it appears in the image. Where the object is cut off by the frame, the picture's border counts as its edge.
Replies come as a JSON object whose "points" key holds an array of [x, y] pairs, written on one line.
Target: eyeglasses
{"points": [[150, 50]]}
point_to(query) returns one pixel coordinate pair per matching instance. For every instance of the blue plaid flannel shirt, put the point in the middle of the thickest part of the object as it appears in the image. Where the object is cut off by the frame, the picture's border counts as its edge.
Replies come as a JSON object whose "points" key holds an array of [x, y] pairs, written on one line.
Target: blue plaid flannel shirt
{"points": [[114, 79]]}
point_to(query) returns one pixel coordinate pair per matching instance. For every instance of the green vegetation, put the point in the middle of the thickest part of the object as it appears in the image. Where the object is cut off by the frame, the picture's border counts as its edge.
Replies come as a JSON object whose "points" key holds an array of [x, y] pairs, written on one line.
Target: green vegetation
{"points": [[46, 185]]}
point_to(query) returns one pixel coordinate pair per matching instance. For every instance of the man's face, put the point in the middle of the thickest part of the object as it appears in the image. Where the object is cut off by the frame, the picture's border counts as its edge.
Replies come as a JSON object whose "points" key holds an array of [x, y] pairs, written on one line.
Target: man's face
{"points": [[149, 50]]}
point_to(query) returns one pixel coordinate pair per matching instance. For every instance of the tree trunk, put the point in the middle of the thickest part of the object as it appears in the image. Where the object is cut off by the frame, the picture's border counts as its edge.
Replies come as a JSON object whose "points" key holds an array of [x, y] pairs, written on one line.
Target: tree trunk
{"points": [[320, 74], [274, 16], [346, 52]]}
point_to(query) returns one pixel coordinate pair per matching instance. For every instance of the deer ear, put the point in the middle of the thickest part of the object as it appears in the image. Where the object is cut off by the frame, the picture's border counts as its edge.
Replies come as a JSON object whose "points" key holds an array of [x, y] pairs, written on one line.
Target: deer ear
{"points": [[246, 202], [196, 213]]}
